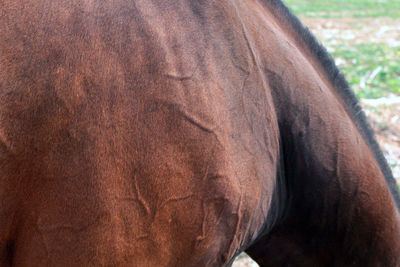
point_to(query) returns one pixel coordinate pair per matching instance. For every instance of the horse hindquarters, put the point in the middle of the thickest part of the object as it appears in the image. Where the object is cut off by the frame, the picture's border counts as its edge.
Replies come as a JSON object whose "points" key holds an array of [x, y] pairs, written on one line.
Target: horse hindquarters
{"points": [[340, 211]]}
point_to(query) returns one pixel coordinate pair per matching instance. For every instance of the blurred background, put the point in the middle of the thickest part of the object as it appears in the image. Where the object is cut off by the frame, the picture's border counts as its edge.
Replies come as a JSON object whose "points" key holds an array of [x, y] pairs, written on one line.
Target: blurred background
{"points": [[363, 36]]}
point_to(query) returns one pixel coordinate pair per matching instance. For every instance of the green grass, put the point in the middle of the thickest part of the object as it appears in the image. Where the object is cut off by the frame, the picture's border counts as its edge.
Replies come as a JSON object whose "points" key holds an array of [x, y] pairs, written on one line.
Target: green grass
{"points": [[345, 8], [372, 70]]}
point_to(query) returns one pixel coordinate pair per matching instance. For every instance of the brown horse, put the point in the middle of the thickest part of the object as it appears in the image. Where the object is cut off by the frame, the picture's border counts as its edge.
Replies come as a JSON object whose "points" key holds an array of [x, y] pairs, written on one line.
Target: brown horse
{"points": [[180, 133]]}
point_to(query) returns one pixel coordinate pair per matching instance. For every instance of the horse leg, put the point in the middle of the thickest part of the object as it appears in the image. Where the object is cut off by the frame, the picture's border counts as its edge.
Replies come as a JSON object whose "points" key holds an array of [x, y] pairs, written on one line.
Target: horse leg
{"points": [[339, 210]]}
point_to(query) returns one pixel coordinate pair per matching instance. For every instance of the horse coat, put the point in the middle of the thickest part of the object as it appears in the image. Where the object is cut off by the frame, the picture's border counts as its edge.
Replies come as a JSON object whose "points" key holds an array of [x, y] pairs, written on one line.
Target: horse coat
{"points": [[180, 133]]}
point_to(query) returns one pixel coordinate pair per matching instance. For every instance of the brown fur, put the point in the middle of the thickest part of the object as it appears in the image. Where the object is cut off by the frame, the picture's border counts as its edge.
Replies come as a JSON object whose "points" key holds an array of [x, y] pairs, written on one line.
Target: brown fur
{"points": [[179, 133]]}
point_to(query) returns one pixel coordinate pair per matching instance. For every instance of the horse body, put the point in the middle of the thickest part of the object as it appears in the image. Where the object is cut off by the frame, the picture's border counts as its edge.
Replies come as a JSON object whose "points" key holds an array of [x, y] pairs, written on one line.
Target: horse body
{"points": [[179, 133]]}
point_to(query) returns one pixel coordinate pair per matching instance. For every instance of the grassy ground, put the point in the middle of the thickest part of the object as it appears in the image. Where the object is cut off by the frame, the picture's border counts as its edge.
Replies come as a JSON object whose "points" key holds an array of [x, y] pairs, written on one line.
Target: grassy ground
{"points": [[373, 70], [345, 8], [369, 60]]}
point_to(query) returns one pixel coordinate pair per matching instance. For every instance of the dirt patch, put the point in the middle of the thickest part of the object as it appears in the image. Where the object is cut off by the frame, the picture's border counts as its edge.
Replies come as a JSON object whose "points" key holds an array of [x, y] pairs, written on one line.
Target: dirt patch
{"points": [[384, 117], [356, 30]]}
